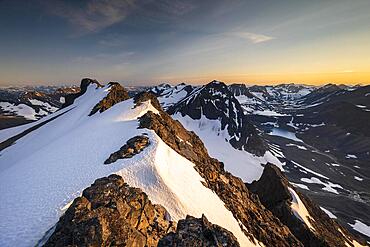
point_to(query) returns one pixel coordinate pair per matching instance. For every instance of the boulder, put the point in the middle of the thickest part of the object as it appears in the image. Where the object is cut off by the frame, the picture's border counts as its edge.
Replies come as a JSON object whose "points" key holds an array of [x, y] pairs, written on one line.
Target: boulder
{"points": [[111, 213], [198, 232]]}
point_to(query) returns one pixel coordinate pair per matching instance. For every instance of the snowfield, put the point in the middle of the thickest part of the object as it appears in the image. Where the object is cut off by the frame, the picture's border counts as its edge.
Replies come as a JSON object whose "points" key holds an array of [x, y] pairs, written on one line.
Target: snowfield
{"points": [[238, 162], [20, 110], [44, 104], [45, 170]]}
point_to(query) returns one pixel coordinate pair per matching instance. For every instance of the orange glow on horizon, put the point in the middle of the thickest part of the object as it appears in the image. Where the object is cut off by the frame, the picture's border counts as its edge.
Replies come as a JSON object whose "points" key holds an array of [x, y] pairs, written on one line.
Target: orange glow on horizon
{"points": [[345, 77]]}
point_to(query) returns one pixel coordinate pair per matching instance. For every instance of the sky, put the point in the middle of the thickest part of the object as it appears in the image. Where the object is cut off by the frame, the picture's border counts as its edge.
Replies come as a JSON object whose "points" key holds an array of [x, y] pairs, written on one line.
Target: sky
{"points": [[145, 42]]}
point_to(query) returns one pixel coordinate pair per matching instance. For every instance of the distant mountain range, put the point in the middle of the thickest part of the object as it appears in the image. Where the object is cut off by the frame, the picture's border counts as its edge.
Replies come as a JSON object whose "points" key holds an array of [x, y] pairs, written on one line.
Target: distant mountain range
{"points": [[184, 165]]}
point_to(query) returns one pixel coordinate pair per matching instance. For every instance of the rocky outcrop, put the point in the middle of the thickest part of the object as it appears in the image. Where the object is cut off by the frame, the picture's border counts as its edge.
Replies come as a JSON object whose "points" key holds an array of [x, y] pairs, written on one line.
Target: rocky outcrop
{"points": [[132, 147], [259, 223], [116, 94], [110, 213], [70, 98], [240, 89], [216, 102], [145, 96], [272, 189], [198, 232]]}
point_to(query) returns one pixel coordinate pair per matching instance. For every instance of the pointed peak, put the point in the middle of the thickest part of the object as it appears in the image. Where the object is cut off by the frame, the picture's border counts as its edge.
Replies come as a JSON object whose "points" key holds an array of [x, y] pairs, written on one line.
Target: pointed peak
{"points": [[85, 82], [215, 82]]}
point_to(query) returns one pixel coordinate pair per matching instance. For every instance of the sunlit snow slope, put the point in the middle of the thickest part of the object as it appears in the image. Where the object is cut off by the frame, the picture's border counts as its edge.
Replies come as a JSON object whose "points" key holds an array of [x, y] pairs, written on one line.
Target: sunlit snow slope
{"points": [[47, 168]]}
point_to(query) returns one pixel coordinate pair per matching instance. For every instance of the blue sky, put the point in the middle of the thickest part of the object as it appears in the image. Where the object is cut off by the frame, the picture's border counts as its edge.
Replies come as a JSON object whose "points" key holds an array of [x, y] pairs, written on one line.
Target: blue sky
{"points": [[147, 42]]}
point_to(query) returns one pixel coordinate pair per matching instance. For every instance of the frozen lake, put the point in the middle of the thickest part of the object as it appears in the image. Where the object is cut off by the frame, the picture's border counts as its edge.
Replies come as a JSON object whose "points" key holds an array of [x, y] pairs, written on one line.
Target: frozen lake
{"points": [[284, 133]]}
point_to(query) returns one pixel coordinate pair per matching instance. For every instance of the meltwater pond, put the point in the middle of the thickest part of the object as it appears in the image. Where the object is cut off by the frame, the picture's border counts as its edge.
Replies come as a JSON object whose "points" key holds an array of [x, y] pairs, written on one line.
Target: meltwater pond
{"points": [[284, 133]]}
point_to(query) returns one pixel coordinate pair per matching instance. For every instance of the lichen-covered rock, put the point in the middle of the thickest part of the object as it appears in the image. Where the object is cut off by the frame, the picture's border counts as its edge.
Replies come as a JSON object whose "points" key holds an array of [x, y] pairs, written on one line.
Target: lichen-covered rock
{"points": [[116, 94], [132, 147], [198, 232], [111, 213], [272, 189]]}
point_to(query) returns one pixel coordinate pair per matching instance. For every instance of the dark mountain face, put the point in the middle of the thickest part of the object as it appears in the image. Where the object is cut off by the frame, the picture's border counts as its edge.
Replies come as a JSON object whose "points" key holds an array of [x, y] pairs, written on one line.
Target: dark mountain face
{"points": [[158, 90], [251, 101], [277, 195], [240, 89], [323, 93], [327, 131], [216, 102]]}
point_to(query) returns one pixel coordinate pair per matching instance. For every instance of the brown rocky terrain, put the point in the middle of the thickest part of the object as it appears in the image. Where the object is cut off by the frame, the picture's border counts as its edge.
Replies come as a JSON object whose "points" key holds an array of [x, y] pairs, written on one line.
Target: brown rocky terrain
{"points": [[259, 222], [198, 232], [145, 96], [272, 189], [111, 213], [116, 94], [132, 147]]}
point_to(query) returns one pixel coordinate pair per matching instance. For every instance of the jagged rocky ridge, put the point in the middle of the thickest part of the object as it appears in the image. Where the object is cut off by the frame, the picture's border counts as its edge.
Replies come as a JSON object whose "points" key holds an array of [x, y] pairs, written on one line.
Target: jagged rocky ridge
{"points": [[249, 101], [273, 189], [240, 89], [215, 101], [111, 213], [116, 94], [256, 222], [259, 224]]}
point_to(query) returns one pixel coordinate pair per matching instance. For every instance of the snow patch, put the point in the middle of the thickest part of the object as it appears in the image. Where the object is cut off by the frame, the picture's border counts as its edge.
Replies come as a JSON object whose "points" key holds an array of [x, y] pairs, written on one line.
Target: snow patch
{"points": [[240, 163], [295, 145], [269, 113], [46, 105], [351, 156], [361, 227], [20, 110], [329, 186], [309, 170], [299, 209], [330, 214], [302, 186], [284, 133]]}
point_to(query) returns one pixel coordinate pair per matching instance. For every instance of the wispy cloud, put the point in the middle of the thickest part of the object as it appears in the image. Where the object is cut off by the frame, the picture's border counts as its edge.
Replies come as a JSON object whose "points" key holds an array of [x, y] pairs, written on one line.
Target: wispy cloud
{"points": [[93, 16], [255, 38], [104, 57]]}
